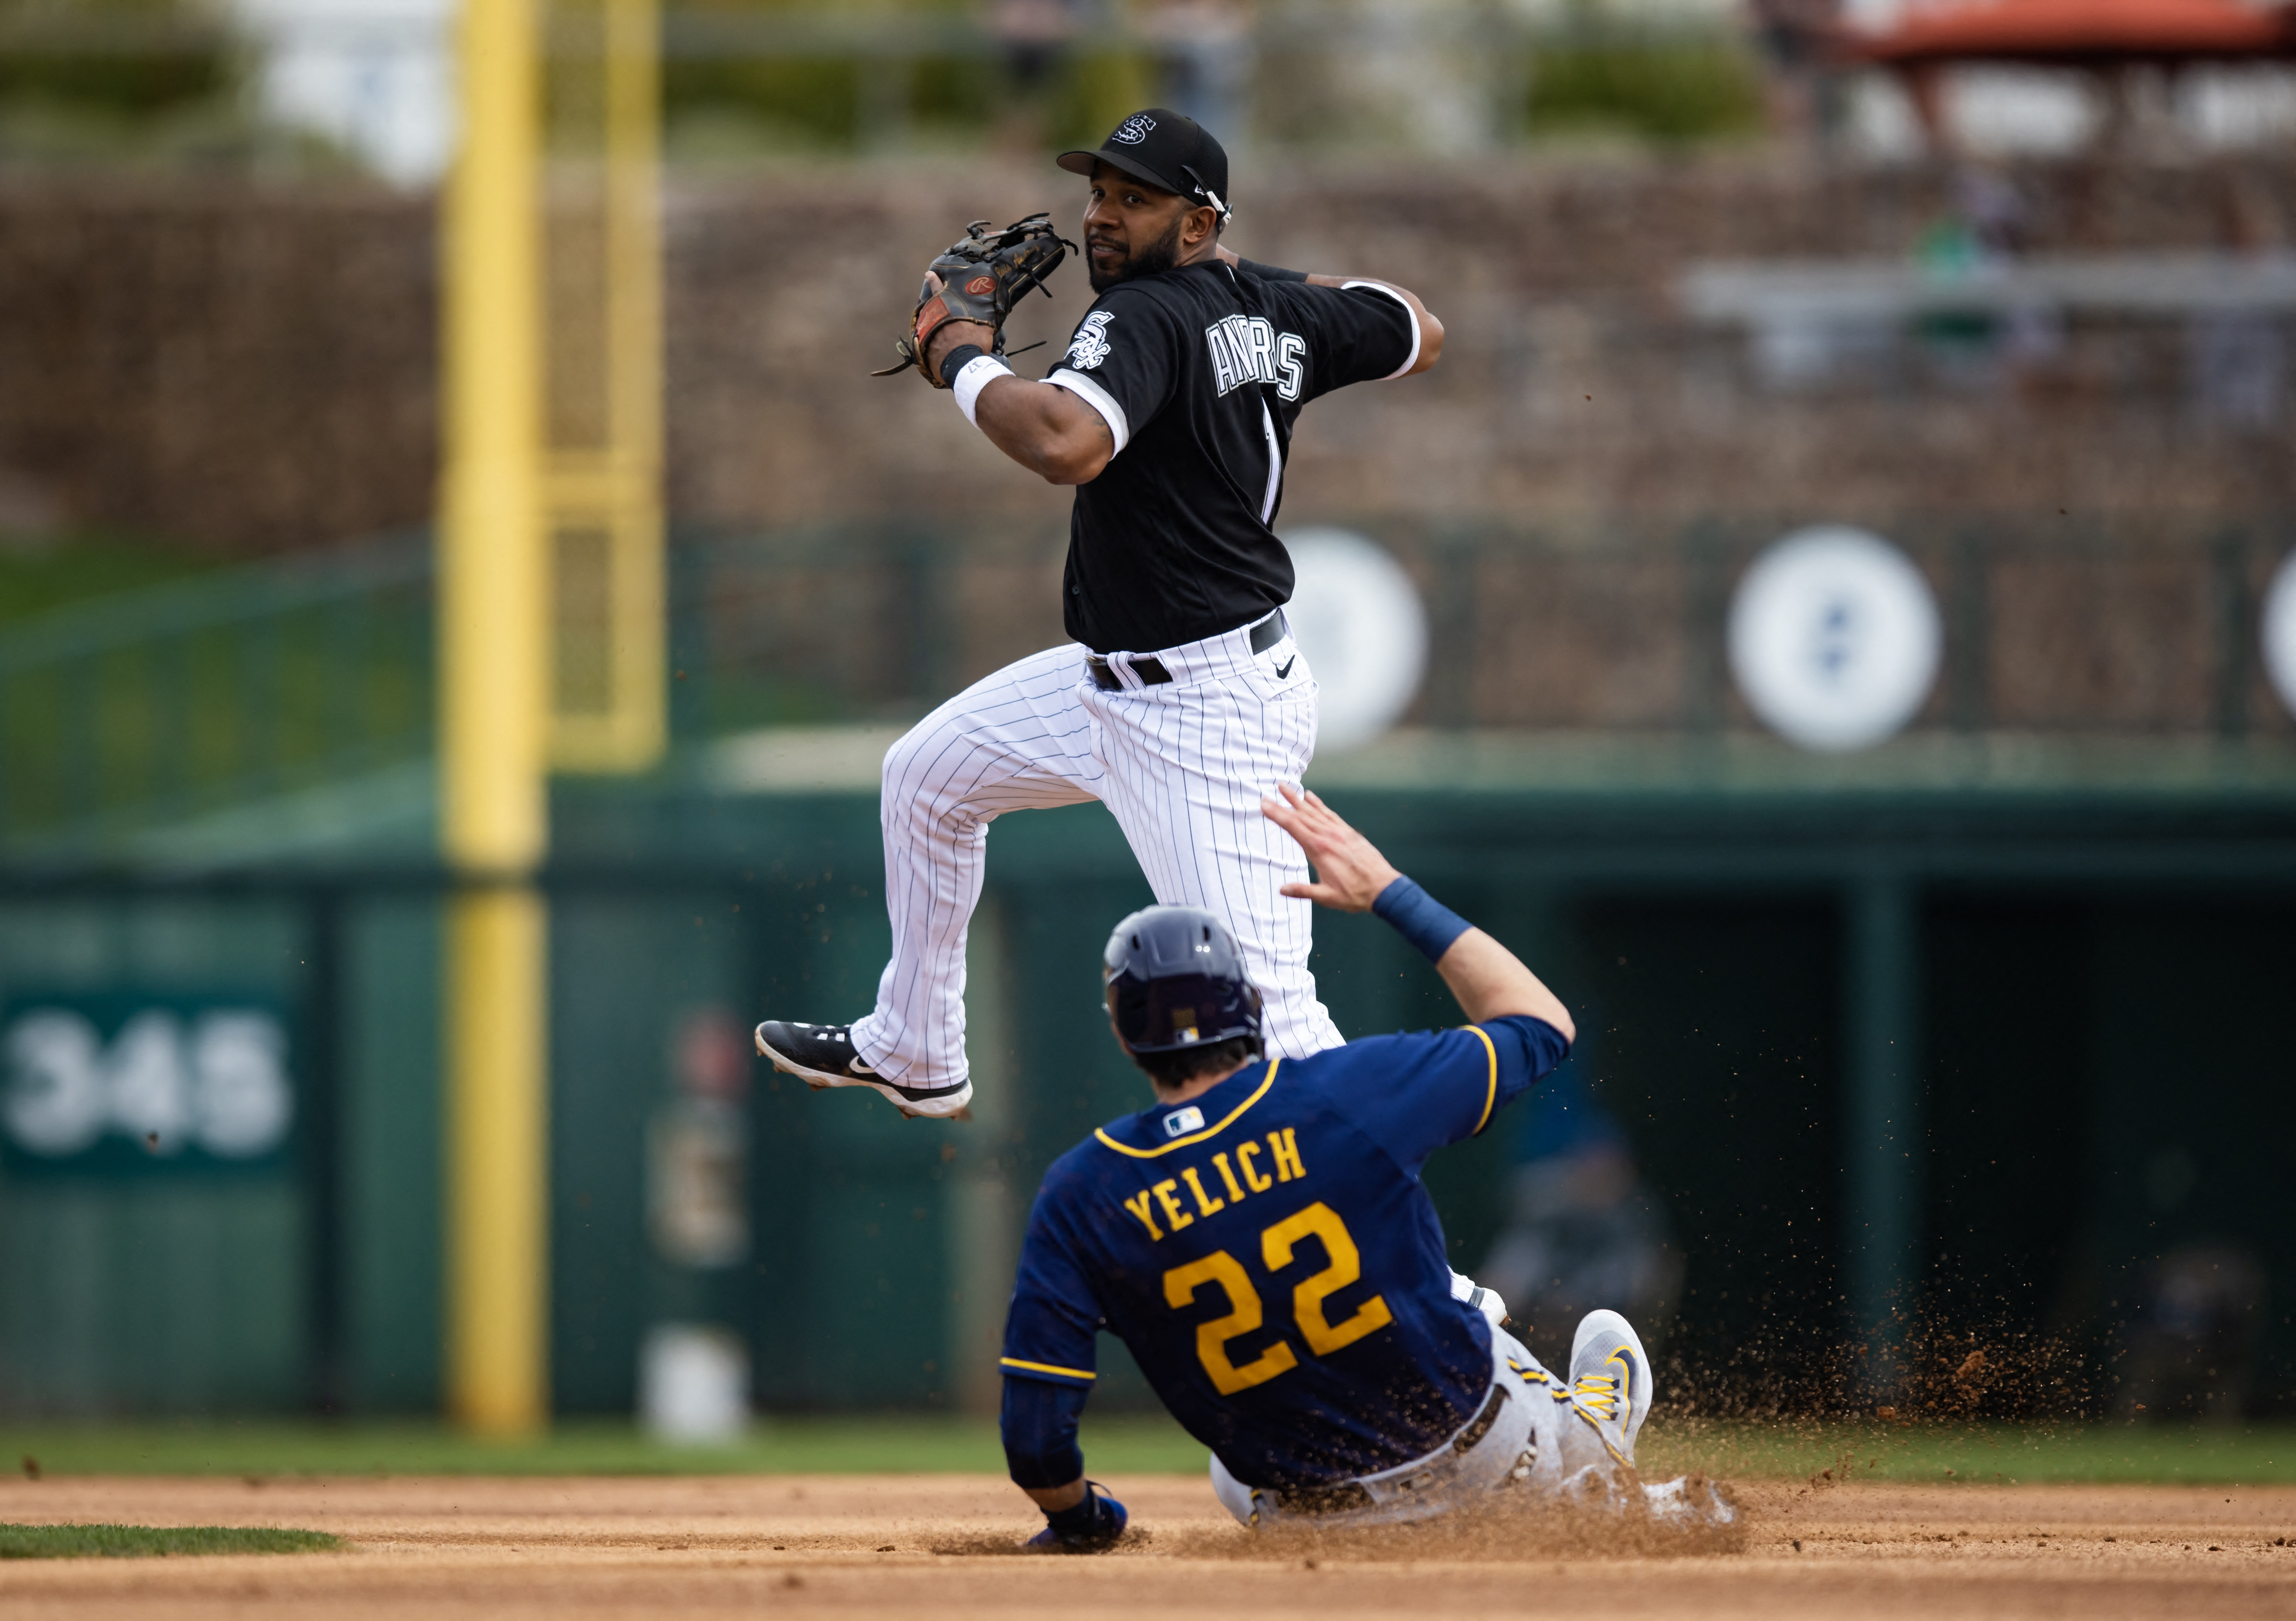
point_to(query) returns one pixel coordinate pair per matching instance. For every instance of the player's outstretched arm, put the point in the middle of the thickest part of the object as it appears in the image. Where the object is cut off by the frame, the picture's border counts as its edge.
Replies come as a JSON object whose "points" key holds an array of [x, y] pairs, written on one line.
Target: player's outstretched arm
{"points": [[1040, 1425], [1431, 329], [1045, 429], [1351, 875]]}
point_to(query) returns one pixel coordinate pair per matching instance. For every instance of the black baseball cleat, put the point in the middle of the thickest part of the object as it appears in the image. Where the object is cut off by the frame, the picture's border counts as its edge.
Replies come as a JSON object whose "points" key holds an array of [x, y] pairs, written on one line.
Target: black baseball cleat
{"points": [[823, 1055]]}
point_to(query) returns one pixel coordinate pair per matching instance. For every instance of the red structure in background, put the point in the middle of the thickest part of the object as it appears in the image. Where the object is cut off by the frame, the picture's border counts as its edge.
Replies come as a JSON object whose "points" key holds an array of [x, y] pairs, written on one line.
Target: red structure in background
{"points": [[2107, 37], [2079, 33]]}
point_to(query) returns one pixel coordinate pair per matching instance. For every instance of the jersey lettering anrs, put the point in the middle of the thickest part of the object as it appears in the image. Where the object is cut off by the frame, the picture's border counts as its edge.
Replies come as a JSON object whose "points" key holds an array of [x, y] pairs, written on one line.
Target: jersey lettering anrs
{"points": [[1246, 349]]}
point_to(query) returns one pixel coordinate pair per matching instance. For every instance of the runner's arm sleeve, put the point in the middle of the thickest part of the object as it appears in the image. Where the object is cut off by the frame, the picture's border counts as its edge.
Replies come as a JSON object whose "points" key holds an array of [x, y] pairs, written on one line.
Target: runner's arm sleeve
{"points": [[1358, 333], [1049, 1352], [1039, 1422], [1415, 1094], [1123, 361]]}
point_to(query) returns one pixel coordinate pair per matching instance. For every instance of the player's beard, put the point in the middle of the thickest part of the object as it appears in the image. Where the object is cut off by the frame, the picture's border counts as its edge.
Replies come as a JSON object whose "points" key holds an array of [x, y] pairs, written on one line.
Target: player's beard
{"points": [[1154, 259]]}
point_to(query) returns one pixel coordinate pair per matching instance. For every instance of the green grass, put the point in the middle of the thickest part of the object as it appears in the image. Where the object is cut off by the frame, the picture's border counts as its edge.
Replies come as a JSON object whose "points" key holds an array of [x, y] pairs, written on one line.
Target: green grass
{"points": [[1133, 1444], [148, 1542], [2163, 1454], [935, 1443]]}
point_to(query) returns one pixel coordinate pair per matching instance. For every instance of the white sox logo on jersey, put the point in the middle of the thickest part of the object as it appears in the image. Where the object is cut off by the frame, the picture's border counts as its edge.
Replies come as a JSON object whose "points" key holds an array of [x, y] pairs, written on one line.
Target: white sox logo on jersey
{"points": [[1089, 346], [1245, 348]]}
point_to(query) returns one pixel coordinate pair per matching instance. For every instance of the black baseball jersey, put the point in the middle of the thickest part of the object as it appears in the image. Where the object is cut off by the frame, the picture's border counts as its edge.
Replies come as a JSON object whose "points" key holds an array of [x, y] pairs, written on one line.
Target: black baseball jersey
{"points": [[1200, 373]]}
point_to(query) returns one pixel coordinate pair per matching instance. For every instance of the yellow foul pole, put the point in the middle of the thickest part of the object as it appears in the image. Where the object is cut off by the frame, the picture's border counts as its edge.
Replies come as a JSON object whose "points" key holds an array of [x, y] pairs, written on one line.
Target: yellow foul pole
{"points": [[609, 488], [494, 662]]}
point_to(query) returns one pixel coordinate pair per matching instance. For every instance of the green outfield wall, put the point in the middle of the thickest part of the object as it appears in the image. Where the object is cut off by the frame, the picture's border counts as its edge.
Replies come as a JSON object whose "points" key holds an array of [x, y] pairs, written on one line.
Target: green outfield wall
{"points": [[1955, 1038]]}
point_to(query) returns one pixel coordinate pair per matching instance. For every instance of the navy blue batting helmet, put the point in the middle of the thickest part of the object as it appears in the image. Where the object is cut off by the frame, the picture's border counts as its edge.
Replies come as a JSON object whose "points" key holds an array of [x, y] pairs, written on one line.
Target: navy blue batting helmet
{"points": [[1175, 979]]}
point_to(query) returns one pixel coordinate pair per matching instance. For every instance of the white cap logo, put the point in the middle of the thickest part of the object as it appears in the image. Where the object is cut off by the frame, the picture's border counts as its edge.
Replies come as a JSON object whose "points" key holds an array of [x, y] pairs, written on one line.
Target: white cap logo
{"points": [[1135, 129]]}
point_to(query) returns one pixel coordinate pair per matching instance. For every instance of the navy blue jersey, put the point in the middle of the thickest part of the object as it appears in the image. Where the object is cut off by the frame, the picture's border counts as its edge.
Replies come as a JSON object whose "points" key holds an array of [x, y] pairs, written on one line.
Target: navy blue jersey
{"points": [[1270, 1256]]}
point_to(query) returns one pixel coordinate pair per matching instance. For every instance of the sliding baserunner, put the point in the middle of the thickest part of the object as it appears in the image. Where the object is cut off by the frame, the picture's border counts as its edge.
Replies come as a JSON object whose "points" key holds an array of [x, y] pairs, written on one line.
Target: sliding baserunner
{"points": [[1260, 1242]]}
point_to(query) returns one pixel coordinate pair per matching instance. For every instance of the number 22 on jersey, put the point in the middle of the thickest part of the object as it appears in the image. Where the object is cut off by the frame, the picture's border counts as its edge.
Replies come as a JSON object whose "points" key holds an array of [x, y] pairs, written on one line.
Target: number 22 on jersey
{"points": [[1279, 1245]]}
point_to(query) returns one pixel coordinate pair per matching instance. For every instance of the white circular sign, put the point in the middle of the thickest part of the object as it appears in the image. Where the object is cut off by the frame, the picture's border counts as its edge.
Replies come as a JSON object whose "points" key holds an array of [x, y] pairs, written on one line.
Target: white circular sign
{"points": [[1835, 638], [2278, 631], [1358, 617]]}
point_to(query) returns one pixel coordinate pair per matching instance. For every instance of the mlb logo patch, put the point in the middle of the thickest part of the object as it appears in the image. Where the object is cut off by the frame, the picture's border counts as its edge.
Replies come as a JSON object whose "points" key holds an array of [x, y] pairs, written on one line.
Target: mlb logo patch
{"points": [[1180, 1122]]}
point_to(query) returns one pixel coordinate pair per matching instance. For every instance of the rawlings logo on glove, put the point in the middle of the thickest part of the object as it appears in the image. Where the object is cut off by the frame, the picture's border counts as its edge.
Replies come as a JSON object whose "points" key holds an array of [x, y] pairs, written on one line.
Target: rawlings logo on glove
{"points": [[980, 278]]}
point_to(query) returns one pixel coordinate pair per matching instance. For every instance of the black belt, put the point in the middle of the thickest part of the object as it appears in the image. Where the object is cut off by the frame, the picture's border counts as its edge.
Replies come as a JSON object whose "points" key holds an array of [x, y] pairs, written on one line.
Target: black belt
{"points": [[1151, 671], [1353, 1495]]}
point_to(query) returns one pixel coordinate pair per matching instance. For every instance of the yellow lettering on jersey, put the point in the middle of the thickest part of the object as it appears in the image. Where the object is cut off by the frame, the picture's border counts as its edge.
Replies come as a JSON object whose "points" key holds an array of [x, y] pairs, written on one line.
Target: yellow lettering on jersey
{"points": [[1244, 1316], [1235, 1189], [1252, 1178], [1138, 1205], [1174, 1218], [1343, 1266], [1283, 1148], [1207, 1205]]}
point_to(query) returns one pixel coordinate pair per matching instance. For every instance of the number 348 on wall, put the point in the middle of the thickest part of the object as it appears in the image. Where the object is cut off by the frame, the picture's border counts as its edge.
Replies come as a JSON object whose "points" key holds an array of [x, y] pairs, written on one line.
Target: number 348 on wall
{"points": [[95, 1083]]}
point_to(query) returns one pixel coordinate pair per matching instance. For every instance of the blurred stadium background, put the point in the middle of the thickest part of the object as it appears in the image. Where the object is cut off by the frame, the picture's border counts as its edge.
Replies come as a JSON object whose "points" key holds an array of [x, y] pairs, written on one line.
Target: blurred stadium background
{"points": [[1944, 1068]]}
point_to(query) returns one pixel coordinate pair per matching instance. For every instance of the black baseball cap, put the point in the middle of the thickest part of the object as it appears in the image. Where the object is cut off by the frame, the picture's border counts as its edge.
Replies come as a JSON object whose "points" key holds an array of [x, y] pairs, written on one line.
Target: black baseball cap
{"points": [[1168, 149]]}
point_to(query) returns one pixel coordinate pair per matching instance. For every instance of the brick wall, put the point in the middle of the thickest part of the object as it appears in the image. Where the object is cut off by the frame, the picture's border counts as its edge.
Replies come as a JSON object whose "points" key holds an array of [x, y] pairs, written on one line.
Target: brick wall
{"points": [[235, 367], [250, 367], [1570, 391]]}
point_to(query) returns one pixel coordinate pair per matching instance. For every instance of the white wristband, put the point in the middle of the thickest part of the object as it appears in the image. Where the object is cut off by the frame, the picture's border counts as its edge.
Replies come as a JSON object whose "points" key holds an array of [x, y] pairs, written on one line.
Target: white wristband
{"points": [[979, 372]]}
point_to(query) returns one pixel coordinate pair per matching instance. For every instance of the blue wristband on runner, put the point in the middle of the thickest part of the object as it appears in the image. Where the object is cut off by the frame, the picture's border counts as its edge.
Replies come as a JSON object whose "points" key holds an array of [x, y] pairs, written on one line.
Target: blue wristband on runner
{"points": [[1420, 918]]}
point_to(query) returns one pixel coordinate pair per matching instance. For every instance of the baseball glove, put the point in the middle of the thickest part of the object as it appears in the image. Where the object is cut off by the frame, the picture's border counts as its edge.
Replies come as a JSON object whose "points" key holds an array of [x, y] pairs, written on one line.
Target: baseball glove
{"points": [[982, 276]]}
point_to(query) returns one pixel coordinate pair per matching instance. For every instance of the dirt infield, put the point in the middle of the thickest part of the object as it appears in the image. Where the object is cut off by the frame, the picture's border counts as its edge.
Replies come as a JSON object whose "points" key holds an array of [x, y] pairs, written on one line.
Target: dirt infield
{"points": [[905, 1546]]}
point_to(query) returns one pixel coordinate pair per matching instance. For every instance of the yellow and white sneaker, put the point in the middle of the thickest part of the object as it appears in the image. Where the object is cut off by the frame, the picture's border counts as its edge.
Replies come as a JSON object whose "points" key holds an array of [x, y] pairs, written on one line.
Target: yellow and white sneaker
{"points": [[1610, 1385]]}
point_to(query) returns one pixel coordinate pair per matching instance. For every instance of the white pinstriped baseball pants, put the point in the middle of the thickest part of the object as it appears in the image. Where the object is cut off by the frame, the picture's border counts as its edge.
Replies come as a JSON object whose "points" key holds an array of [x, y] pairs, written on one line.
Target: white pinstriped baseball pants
{"points": [[1183, 767]]}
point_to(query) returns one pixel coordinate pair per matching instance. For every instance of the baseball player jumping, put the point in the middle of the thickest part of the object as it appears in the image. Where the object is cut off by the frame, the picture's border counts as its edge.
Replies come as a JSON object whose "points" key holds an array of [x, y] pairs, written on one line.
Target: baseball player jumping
{"points": [[1172, 412], [1260, 1242]]}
